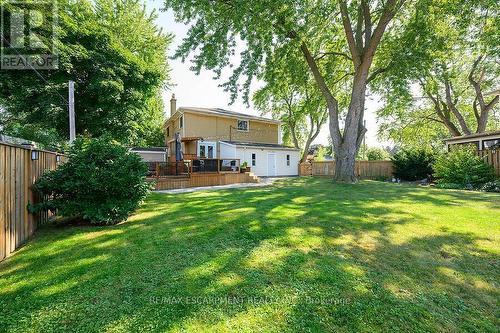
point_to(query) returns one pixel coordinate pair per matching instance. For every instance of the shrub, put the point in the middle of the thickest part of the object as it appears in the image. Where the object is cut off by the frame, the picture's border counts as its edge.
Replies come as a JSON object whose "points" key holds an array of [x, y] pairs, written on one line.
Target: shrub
{"points": [[101, 182], [376, 154], [491, 186], [413, 164], [462, 166]]}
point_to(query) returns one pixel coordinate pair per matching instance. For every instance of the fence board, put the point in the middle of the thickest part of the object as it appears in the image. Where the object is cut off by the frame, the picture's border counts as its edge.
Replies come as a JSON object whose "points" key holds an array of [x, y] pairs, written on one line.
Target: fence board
{"points": [[17, 174], [3, 209], [492, 157], [363, 169]]}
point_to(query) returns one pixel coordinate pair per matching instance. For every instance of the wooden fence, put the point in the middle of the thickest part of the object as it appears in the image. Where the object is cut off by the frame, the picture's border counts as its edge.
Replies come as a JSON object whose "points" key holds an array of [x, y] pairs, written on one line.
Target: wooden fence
{"points": [[364, 169], [492, 157], [375, 169], [18, 172]]}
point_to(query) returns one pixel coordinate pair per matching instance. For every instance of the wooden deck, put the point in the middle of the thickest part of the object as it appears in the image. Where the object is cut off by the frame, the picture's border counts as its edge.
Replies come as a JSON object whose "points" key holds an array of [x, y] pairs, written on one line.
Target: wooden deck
{"points": [[203, 179]]}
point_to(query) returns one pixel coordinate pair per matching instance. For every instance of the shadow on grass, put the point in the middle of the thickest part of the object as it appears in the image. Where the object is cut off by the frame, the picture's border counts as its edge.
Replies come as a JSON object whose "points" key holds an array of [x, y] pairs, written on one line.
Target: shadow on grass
{"points": [[302, 255]]}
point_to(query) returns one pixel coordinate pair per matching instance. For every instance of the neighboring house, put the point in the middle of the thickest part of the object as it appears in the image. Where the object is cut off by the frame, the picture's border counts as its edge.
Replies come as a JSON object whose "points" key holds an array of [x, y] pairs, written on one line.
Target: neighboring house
{"points": [[151, 154], [221, 134], [482, 141]]}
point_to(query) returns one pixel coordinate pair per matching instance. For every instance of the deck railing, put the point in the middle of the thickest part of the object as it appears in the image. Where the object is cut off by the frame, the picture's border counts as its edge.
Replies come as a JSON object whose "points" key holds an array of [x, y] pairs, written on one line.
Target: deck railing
{"points": [[186, 168], [216, 165], [169, 169], [229, 165]]}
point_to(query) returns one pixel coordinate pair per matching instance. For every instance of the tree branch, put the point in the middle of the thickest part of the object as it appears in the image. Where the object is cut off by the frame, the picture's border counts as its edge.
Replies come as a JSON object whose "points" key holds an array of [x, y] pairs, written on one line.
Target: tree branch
{"points": [[368, 22], [346, 21], [375, 73], [324, 54], [452, 107], [390, 9]]}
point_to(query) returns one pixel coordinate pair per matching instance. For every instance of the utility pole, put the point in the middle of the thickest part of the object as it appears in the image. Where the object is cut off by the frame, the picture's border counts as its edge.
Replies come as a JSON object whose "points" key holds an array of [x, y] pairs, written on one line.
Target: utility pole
{"points": [[72, 130]]}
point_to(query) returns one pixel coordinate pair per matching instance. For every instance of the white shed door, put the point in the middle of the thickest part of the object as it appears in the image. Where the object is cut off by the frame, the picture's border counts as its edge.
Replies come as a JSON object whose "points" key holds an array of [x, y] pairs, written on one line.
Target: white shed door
{"points": [[271, 164]]}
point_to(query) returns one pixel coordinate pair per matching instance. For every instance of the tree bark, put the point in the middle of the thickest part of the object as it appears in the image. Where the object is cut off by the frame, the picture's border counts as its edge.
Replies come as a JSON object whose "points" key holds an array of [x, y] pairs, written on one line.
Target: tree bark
{"points": [[313, 134], [485, 108], [452, 107]]}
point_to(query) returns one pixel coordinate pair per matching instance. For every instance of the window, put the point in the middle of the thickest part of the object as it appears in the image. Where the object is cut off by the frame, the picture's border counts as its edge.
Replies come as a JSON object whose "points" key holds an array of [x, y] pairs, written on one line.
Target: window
{"points": [[168, 131], [243, 125], [181, 122], [206, 150], [254, 160], [287, 160]]}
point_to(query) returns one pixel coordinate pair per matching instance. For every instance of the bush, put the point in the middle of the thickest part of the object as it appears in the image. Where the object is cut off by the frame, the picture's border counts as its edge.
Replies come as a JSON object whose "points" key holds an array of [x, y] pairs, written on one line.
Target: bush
{"points": [[101, 182], [413, 164], [462, 166], [376, 154], [491, 186]]}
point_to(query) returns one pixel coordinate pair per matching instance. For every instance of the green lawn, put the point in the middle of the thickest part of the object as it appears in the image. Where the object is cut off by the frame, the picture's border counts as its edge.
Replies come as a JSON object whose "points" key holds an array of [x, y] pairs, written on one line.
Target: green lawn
{"points": [[305, 255]]}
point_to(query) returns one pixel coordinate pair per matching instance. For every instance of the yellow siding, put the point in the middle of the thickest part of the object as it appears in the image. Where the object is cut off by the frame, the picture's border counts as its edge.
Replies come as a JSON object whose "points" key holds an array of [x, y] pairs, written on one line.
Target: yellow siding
{"points": [[173, 124], [213, 127]]}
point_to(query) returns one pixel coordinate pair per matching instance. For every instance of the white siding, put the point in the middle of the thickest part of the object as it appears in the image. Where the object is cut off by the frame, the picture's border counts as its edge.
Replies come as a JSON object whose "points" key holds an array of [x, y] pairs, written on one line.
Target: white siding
{"points": [[261, 168], [152, 156], [227, 151]]}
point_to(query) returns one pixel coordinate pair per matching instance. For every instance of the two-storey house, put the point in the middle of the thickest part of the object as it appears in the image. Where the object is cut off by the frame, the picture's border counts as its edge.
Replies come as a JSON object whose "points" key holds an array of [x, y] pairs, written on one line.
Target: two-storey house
{"points": [[221, 134]]}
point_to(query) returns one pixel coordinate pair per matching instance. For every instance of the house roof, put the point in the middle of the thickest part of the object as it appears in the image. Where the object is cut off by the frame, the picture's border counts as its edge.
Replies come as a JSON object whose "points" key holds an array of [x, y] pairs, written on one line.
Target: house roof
{"points": [[149, 149], [259, 145], [226, 113], [474, 136]]}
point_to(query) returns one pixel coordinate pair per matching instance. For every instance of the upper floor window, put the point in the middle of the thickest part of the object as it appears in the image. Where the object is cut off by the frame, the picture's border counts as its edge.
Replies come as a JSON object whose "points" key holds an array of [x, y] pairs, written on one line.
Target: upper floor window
{"points": [[168, 131], [243, 125], [287, 160], [254, 160], [181, 122]]}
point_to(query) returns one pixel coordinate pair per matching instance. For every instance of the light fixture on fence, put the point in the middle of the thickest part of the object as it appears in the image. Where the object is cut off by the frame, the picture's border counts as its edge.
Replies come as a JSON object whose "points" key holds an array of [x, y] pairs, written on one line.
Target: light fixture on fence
{"points": [[58, 158], [34, 155]]}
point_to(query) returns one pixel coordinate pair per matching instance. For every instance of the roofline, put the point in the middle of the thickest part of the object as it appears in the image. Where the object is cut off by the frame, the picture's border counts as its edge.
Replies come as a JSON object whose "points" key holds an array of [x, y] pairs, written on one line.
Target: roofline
{"points": [[473, 136], [259, 147], [149, 149], [172, 116], [236, 116]]}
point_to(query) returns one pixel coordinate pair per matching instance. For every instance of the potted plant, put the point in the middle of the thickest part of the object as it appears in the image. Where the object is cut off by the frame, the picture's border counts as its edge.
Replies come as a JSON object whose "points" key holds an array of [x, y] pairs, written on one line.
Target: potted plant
{"points": [[244, 167]]}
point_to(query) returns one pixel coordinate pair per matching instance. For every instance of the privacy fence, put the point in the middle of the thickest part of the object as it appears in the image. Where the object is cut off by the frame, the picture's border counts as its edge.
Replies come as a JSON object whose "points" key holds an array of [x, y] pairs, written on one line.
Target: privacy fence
{"points": [[20, 167], [378, 169], [492, 157], [364, 169]]}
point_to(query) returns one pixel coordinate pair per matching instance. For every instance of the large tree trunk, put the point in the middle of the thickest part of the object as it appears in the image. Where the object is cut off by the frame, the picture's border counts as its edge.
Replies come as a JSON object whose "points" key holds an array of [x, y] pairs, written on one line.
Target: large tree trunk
{"points": [[347, 144], [345, 162], [345, 155]]}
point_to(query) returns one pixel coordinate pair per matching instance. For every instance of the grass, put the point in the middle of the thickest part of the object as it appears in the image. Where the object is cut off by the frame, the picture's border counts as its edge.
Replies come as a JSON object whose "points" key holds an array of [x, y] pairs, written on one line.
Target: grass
{"points": [[304, 255]]}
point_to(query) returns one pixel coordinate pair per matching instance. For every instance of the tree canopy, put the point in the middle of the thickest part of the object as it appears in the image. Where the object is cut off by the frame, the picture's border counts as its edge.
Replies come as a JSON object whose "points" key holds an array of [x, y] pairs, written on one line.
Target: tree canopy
{"points": [[443, 74], [296, 101], [335, 40], [117, 57]]}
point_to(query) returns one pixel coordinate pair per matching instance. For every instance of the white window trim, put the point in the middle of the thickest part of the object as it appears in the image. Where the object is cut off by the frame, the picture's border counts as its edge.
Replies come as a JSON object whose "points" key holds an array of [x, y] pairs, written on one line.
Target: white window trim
{"points": [[248, 125], [206, 143]]}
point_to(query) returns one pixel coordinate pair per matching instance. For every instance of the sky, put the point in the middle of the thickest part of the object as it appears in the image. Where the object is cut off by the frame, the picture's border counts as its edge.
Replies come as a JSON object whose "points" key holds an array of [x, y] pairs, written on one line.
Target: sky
{"points": [[203, 91]]}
